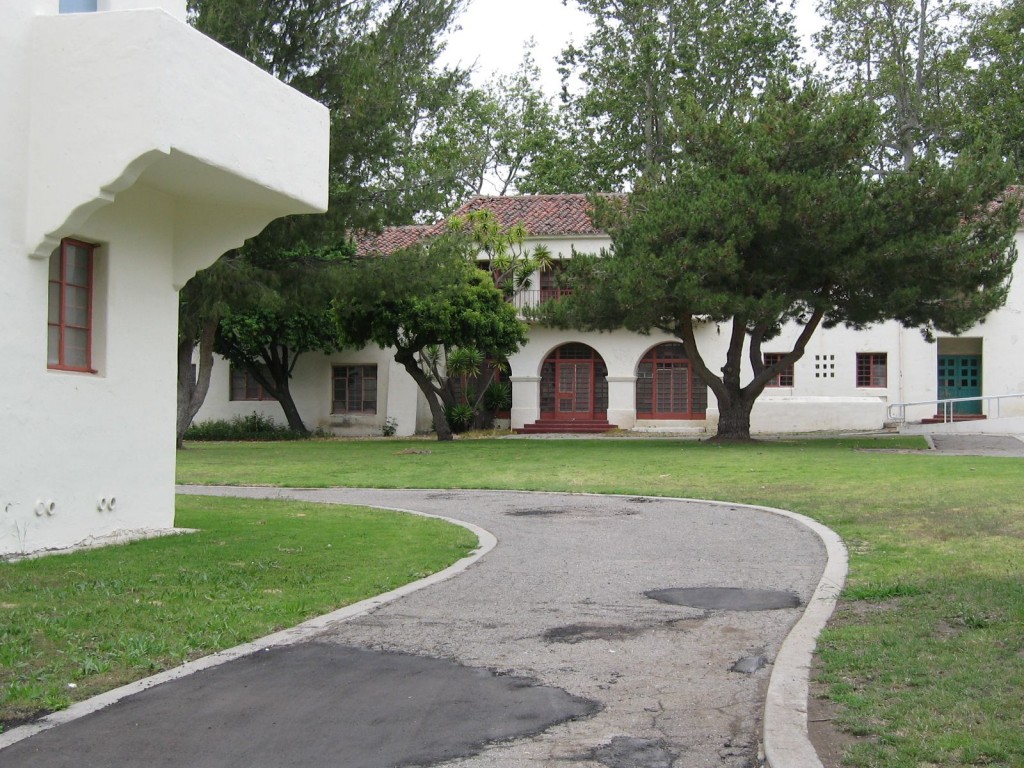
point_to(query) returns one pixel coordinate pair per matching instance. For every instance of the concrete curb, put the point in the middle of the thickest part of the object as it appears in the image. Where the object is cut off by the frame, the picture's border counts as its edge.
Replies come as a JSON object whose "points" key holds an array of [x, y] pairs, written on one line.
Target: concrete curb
{"points": [[285, 637], [786, 740]]}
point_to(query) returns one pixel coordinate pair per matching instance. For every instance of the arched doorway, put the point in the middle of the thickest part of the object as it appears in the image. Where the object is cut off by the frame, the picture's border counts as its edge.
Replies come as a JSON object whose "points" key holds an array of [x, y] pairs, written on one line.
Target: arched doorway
{"points": [[667, 386], [574, 385]]}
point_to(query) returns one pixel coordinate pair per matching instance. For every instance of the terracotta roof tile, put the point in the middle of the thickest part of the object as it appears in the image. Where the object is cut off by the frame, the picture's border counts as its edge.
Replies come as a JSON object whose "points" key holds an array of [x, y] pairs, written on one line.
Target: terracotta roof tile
{"points": [[390, 239], [542, 215]]}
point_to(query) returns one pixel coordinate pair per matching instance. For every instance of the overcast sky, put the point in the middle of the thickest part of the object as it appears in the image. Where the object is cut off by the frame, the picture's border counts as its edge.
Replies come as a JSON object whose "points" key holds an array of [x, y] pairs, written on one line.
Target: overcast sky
{"points": [[494, 31]]}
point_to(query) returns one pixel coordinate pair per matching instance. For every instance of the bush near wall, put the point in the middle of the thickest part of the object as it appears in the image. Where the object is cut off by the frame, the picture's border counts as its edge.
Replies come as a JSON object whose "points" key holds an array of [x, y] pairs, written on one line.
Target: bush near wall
{"points": [[255, 426]]}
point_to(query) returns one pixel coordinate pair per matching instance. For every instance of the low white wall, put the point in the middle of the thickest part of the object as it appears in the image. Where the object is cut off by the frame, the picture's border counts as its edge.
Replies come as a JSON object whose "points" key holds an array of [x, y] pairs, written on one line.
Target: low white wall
{"points": [[816, 414]]}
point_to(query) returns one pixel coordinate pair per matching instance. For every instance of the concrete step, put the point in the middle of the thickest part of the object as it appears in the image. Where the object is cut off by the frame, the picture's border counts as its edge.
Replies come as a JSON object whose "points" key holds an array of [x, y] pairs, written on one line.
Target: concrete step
{"points": [[552, 426]]}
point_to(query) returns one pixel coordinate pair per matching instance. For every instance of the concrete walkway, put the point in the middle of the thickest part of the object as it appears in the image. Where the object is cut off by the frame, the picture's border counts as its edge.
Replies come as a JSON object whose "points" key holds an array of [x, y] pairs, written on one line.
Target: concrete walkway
{"points": [[557, 609]]}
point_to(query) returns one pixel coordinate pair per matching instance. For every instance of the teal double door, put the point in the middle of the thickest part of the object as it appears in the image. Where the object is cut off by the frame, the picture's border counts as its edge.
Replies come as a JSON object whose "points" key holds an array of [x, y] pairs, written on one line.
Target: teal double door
{"points": [[960, 376]]}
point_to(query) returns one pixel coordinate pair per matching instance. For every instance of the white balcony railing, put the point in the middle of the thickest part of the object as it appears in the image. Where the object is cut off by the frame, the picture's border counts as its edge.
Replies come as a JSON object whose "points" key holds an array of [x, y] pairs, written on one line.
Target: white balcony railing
{"points": [[534, 297]]}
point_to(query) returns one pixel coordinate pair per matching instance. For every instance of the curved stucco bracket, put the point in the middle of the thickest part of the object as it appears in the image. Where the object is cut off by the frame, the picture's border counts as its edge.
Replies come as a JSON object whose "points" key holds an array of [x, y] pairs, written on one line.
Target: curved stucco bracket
{"points": [[204, 231], [45, 206]]}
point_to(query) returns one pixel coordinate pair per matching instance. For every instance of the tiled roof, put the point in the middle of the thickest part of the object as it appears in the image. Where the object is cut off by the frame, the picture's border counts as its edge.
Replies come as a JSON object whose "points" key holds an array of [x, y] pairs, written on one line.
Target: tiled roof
{"points": [[541, 215], [391, 239]]}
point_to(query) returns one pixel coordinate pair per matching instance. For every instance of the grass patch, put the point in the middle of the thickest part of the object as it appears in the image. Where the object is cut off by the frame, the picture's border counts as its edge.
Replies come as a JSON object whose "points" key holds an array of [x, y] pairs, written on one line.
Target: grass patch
{"points": [[926, 654], [77, 624]]}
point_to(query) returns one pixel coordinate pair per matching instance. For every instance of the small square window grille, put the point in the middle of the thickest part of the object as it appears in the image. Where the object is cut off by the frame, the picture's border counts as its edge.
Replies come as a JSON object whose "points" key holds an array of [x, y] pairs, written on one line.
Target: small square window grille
{"points": [[824, 366]]}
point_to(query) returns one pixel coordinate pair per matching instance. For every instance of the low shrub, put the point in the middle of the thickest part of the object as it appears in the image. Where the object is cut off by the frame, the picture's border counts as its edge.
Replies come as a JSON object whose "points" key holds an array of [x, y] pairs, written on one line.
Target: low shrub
{"points": [[255, 426], [460, 417]]}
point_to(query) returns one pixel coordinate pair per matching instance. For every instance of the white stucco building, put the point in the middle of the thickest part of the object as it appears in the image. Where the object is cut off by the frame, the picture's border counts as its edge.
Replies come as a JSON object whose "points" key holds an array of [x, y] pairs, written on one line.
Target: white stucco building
{"points": [[580, 381], [133, 152]]}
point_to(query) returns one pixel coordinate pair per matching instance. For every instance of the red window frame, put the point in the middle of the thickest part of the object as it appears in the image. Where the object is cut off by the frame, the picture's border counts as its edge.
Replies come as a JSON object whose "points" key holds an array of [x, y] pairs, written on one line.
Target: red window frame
{"points": [[872, 369], [59, 324], [662, 374], [783, 378]]}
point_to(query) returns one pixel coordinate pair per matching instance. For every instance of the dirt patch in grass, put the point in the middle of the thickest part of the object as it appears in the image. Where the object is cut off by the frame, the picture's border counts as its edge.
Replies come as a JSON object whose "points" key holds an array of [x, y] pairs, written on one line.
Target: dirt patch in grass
{"points": [[828, 739]]}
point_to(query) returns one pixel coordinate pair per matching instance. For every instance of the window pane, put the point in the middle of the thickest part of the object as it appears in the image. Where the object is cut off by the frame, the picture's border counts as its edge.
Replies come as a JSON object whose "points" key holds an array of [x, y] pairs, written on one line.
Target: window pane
{"points": [[53, 304], [76, 265], [76, 348], [53, 345], [55, 265], [76, 306]]}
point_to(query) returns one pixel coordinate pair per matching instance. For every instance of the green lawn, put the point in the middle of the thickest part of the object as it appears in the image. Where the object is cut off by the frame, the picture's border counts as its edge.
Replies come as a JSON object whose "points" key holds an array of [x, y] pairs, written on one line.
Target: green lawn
{"points": [[926, 652], [77, 624]]}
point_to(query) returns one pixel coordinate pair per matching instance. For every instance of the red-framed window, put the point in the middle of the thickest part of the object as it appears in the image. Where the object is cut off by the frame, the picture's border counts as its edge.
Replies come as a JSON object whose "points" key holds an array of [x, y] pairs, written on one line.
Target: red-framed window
{"points": [[69, 310], [244, 386], [355, 389], [872, 369], [667, 387], [783, 378]]}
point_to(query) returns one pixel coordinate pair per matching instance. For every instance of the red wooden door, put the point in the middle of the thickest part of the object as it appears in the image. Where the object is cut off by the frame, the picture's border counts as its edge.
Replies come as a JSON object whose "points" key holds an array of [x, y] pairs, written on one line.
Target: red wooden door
{"points": [[575, 397]]}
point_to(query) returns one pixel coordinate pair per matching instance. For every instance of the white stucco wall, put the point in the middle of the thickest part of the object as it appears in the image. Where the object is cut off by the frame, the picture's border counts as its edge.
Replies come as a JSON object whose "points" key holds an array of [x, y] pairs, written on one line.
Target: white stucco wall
{"points": [[127, 129], [398, 397]]}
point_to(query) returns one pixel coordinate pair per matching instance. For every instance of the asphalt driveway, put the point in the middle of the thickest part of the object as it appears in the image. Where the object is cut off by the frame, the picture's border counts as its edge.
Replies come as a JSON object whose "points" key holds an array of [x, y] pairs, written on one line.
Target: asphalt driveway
{"points": [[547, 651]]}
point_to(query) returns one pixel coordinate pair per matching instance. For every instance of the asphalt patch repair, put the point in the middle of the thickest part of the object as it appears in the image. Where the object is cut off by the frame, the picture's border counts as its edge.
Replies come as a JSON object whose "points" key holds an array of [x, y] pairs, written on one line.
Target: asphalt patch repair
{"points": [[308, 704], [726, 598]]}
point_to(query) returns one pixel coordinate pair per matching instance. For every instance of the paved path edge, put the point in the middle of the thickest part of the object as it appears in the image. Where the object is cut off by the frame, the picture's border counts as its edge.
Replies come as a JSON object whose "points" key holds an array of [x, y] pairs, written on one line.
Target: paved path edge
{"points": [[787, 743], [298, 633]]}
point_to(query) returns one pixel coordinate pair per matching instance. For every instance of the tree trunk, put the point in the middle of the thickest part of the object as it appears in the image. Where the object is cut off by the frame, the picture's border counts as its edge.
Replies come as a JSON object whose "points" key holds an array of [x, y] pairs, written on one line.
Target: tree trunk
{"points": [[734, 419], [192, 387], [291, 411], [276, 362], [408, 361]]}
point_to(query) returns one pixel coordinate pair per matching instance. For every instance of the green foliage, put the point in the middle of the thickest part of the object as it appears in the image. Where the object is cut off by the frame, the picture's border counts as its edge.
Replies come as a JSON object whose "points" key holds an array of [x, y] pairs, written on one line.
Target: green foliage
{"points": [[498, 396], [909, 58], [428, 302], [254, 426], [643, 59], [266, 331], [480, 140], [105, 617], [770, 219], [459, 416], [993, 98], [372, 63]]}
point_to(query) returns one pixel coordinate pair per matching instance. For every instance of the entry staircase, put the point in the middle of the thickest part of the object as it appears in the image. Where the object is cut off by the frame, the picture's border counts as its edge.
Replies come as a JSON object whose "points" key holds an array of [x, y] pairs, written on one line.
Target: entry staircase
{"points": [[570, 427]]}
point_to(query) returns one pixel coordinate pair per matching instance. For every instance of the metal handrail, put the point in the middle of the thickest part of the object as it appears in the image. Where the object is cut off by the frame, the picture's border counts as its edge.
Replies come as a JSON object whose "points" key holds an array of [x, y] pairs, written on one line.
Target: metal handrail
{"points": [[990, 405]]}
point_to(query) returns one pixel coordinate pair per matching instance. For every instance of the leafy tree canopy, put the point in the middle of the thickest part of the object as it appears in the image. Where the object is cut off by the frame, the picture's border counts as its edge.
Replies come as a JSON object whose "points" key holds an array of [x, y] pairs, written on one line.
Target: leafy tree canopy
{"points": [[994, 100], [423, 298], [642, 60], [911, 58], [771, 218]]}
